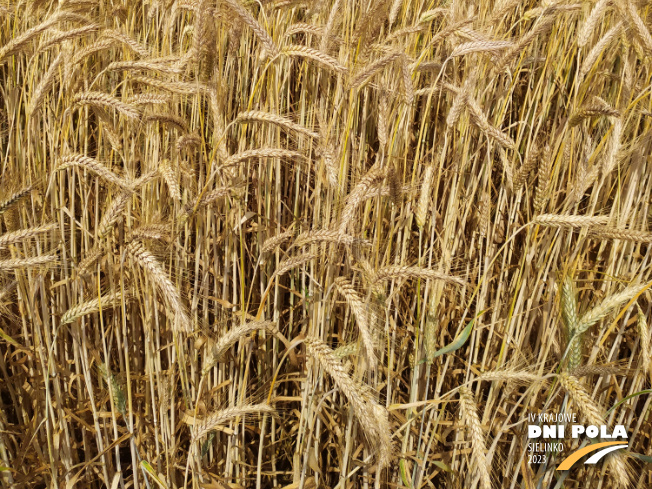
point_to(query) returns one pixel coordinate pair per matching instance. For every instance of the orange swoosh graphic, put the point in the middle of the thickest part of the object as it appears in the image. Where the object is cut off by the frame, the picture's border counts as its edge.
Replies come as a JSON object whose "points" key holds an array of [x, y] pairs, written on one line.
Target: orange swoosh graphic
{"points": [[575, 456]]}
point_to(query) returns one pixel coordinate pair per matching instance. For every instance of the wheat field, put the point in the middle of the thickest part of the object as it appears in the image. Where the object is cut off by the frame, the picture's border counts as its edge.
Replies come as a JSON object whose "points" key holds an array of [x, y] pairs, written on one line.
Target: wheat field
{"points": [[322, 244]]}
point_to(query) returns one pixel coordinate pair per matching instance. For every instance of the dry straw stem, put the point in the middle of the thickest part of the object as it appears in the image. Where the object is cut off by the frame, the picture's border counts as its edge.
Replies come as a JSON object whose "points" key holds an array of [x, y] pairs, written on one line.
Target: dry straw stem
{"points": [[259, 116], [373, 418], [403, 272], [315, 55], [265, 39], [23, 234], [229, 339], [213, 421], [108, 301], [35, 261], [81, 161], [569, 221], [606, 307], [262, 153], [471, 419], [104, 100], [156, 273], [363, 317]]}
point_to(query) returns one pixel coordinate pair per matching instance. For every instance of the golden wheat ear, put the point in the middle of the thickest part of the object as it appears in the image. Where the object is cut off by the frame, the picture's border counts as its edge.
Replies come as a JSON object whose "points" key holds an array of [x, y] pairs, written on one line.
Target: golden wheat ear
{"points": [[592, 412], [108, 301], [364, 318], [213, 421], [373, 418], [570, 319], [471, 419], [154, 270]]}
